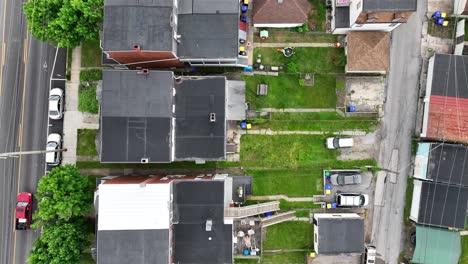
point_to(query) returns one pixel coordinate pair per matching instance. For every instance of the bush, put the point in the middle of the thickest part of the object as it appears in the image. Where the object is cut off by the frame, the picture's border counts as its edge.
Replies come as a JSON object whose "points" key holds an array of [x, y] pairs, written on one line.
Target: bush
{"points": [[301, 82], [91, 75], [291, 67], [87, 100], [305, 27], [340, 84]]}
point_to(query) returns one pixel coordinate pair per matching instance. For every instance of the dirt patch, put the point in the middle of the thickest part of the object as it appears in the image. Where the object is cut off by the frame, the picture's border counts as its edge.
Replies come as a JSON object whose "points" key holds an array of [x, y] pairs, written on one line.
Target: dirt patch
{"points": [[365, 147]]}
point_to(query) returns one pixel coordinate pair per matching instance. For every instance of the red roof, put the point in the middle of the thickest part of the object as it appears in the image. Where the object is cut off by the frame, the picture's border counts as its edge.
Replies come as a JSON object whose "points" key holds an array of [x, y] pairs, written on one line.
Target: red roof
{"points": [[272, 12], [448, 118]]}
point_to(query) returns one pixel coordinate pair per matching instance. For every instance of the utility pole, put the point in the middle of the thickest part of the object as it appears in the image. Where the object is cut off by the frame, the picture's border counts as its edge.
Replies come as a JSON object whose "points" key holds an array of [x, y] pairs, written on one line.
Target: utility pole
{"points": [[32, 152]]}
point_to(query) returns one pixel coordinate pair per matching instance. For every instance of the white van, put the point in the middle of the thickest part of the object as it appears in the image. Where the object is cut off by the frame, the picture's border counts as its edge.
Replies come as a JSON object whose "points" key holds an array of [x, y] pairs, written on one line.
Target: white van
{"points": [[337, 142], [369, 255]]}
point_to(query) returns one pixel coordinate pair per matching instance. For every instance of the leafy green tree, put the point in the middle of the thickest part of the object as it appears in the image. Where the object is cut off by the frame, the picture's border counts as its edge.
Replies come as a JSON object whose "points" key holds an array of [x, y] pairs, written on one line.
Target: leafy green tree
{"points": [[64, 194], [64, 22], [60, 243]]}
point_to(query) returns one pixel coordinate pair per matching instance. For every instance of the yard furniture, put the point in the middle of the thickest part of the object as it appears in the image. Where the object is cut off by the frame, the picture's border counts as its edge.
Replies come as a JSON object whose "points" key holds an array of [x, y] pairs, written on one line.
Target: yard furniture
{"points": [[264, 35]]}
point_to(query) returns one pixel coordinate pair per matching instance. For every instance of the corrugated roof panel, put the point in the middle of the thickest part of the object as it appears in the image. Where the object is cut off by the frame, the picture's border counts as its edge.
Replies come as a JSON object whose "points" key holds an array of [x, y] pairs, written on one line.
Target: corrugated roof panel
{"points": [[436, 246], [422, 156]]}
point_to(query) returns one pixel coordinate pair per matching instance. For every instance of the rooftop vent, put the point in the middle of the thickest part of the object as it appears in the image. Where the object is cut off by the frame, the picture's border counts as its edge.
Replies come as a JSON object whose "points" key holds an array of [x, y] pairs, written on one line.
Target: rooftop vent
{"points": [[209, 225], [144, 71], [144, 160], [280, 1], [136, 47], [212, 117]]}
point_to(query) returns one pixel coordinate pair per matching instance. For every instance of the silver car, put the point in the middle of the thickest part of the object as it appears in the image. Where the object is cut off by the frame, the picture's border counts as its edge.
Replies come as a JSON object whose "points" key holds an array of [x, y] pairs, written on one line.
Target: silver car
{"points": [[345, 179], [56, 103]]}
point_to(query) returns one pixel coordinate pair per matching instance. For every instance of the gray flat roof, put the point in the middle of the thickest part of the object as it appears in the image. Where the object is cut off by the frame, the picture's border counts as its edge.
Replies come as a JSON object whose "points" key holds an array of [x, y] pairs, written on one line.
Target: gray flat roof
{"points": [[208, 36], [146, 25], [133, 246], [195, 202], [195, 135], [340, 235], [136, 112], [443, 205], [342, 17], [448, 164], [389, 5], [450, 76]]}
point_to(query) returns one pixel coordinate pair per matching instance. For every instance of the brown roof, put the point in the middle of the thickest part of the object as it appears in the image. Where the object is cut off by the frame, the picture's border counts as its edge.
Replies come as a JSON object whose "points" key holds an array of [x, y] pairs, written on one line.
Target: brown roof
{"points": [[383, 17], [368, 51], [272, 12], [448, 118]]}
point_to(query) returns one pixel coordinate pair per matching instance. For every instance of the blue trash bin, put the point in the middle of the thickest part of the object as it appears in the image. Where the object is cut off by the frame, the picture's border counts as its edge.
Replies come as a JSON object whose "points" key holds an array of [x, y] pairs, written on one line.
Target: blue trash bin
{"points": [[352, 108]]}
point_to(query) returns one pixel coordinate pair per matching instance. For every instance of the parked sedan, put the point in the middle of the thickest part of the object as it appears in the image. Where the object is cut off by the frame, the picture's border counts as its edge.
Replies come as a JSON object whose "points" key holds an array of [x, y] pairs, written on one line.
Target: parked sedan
{"points": [[56, 103], [345, 179], [351, 199], [54, 142]]}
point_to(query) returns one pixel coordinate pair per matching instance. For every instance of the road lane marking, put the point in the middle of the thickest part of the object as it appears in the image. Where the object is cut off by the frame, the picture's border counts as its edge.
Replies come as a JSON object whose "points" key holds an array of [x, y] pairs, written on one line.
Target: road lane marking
{"points": [[20, 135], [21, 132]]}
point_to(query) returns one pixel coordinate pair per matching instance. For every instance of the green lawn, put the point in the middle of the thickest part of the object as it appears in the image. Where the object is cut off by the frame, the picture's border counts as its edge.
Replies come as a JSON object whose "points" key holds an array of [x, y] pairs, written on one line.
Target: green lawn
{"points": [[285, 205], [91, 54], [320, 121], [408, 198], [246, 261], [86, 258], [283, 258], [289, 235], [302, 213], [90, 75], [318, 60], [319, 15], [293, 183], [87, 101], [284, 91], [86, 145], [464, 256], [284, 151]]}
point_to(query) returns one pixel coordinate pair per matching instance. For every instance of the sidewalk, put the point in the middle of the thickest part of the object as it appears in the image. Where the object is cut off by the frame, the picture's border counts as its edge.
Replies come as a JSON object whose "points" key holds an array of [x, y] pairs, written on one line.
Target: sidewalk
{"points": [[72, 118], [299, 44]]}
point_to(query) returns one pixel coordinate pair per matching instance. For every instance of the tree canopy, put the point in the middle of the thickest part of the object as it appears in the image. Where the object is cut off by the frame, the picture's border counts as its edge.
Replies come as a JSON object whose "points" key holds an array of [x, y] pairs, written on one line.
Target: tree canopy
{"points": [[60, 243], [64, 194], [64, 22]]}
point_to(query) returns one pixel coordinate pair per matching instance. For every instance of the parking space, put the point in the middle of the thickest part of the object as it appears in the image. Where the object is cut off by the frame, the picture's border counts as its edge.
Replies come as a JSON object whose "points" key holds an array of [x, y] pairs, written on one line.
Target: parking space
{"points": [[330, 190], [58, 80], [364, 147]]}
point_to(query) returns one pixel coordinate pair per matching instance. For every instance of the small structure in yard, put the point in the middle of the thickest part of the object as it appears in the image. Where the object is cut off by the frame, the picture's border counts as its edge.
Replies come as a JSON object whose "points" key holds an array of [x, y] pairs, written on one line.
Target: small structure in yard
{"points": [[287, 52], [264, 35], [262, 89], [247, 237], [338, 233], [307, 79]]}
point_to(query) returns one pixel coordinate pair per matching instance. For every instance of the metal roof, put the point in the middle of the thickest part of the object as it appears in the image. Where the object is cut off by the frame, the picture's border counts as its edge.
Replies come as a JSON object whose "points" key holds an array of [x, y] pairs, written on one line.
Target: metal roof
{"points": [[450, 75], [436, 245], [340, 235], [448, 164]]}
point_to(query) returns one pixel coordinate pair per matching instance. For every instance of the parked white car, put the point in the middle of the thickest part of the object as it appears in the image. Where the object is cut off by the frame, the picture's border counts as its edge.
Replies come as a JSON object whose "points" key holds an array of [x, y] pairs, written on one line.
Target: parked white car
{"points": [[351, 199], [54, 142], [56, 103], [369, 255], [339, 142]]}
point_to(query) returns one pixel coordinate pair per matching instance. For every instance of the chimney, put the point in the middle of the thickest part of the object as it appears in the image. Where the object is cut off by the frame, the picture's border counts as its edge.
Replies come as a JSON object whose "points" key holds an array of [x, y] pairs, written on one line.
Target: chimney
{"points": [[280, 1]]}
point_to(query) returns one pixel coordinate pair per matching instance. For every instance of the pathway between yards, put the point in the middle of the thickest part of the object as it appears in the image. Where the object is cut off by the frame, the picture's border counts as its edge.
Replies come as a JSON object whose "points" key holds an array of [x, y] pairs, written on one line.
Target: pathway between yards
{"points": [[271, 132], [298, 110], [272, 45], [280, 196]]}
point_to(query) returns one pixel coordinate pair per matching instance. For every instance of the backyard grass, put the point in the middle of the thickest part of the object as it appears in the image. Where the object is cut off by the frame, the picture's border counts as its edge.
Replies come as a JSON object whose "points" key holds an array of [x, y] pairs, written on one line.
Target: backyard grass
{"points": [[319, 121], [464, 245], [318, 60], [246, 261], [302, 213], [284, 91], [86, 145], [288, 36], [285, 205], [91, 54], [289, 235], [283, 258], [292, 183], [86, 258], [87, 101]]}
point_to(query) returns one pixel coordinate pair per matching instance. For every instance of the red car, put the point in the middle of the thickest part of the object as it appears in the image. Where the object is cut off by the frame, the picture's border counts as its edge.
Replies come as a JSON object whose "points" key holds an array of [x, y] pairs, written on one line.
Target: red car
{"points": [[23, 211]]}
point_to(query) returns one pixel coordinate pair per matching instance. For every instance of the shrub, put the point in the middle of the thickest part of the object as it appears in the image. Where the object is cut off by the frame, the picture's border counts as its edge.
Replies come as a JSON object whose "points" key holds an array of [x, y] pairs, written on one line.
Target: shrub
{"points": [[87, 100], [91, 75], [305, 27], [340, 84], [301, 82]]}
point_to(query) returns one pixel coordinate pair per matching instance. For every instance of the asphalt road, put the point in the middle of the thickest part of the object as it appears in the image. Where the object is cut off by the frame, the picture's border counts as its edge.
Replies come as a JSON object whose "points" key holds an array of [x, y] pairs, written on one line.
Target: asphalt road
{"points": [[25, 79], [397, 128]]}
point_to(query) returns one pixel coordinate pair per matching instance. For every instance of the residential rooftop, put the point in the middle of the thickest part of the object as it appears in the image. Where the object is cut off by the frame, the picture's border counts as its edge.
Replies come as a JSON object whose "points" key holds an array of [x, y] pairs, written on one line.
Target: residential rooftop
{"points": [[389, 5]]}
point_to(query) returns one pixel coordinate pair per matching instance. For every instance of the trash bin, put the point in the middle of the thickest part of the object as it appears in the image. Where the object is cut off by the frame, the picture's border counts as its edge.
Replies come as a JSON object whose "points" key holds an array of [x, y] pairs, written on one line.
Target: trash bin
{"points": [[352, 108]]}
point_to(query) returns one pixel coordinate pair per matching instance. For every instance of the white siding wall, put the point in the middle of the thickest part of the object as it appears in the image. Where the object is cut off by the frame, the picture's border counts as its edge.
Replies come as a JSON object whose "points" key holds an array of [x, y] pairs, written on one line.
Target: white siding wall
{"points": [[355, 8], [458, 6], [375, 27], [278, 25]]}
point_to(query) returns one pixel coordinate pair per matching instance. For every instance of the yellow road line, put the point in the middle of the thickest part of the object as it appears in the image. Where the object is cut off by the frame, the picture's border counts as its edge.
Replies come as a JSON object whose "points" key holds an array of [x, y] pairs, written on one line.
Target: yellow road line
{"points": [[21, 132]]}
